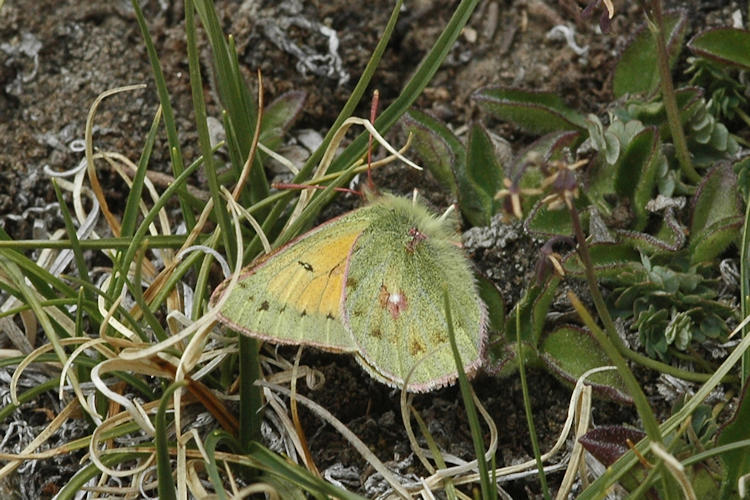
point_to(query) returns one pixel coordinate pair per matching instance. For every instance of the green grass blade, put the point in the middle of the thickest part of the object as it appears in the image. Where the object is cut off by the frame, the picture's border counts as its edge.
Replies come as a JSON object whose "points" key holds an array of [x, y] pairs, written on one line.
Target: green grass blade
{"points": [[250, 396], [237, 100], [527, 408], [169, 119], [167, 489], [83, 270], [212, 441], [489, 491], [199, 108], [414, 87], [356, 96], [130, 215]]}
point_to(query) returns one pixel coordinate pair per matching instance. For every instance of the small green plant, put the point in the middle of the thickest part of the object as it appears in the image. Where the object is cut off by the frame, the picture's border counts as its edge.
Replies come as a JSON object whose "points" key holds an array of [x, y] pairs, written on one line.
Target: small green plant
{"points": [[659, 195]]}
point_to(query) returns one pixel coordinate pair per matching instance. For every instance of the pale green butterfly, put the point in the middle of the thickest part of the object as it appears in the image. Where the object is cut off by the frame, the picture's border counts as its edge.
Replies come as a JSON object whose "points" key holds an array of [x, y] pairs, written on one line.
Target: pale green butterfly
{"points": [[370, 282]]}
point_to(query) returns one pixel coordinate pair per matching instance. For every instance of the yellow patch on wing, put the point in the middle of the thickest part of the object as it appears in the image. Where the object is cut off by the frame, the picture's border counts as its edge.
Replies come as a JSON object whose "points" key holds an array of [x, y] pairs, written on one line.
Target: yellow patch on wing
{"points": [[309, 276]]}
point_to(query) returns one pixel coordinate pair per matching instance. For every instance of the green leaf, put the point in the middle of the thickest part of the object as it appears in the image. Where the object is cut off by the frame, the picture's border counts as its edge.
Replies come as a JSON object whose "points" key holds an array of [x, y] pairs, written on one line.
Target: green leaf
{"points": [[637, 69], [535, 112], [439, 149], [279, 116], [570, 351], [484, 173], [635, 177], [542, 221], [610, 260], [737, 461], [502, 354], [495, 304], [716, 213], [482, 164], [725, 45]]}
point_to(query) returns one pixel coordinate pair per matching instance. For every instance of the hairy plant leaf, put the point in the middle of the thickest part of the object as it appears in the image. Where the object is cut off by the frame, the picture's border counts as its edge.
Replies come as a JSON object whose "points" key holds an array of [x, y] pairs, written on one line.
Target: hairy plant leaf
{"points": [[609, 442], [484, 172], [636, 173], [637, 69], [534, 112], [280, 115], [439, 149], [716, 213], [725, 45], [570, 351], [737, 461], [610, 260]]}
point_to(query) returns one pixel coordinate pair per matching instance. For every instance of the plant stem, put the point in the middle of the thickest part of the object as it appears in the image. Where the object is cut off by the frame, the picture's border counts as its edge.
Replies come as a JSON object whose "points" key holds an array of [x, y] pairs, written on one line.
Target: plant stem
{"points": [[668, 96], [611, 342], [527, 407]]}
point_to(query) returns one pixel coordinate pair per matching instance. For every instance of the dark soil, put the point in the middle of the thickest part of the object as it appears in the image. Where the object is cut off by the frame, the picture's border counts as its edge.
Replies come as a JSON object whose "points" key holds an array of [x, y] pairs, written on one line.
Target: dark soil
{"points": [[57, 56]]}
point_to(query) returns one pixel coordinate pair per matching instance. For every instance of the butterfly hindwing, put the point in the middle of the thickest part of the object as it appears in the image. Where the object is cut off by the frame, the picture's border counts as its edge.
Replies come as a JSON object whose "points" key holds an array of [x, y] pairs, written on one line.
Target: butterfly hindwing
{"points": [[294, 295], [399, 269]]}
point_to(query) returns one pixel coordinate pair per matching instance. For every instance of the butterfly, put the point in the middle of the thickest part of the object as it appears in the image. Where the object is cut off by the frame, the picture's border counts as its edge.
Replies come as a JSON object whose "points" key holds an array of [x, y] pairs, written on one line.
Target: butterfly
{"points": [[371, 283]]}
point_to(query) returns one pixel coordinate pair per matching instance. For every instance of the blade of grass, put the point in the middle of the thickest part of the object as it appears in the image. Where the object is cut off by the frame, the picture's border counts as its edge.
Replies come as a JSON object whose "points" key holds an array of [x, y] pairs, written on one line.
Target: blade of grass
{"points": [[199, 108], [387, 118], [169, 120], [129, 219], [167, 489], [489, 491], [83, 270], [527, 408], [158, 241], [238, 101]]}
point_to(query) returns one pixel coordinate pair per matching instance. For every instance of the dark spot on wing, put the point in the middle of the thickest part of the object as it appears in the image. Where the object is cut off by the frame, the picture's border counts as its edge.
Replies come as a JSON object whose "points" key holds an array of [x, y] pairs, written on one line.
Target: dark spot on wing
{"points": [[283, 308], [264, 306], [377, 333], [305, 265], [329, 316], [439, 337], [351, 282], [416, 347], [303, 313]]}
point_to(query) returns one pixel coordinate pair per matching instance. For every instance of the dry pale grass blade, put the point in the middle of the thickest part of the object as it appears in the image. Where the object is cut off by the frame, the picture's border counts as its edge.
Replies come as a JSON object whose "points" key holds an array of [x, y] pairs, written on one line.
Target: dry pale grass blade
{"points": [[460, 476], [101, 346], [248, 216], [16, 460], [258, 488], [16, 336], [128, 366], [113, 222], [676, 469], [109, 319], [576, 463], [346, 433], [287, 431], [31, 358], [329, 154], [309, 462], [113, 422]]}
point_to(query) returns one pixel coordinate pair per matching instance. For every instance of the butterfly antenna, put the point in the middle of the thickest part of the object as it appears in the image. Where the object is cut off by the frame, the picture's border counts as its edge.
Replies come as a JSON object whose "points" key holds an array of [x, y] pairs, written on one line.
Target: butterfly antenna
{"points": [[373, 114]]}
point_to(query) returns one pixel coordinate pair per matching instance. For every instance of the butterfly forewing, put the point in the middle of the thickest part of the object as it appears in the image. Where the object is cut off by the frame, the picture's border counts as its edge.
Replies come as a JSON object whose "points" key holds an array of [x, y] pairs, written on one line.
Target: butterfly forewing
{"points": [[294, 295], [399, 269]]}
